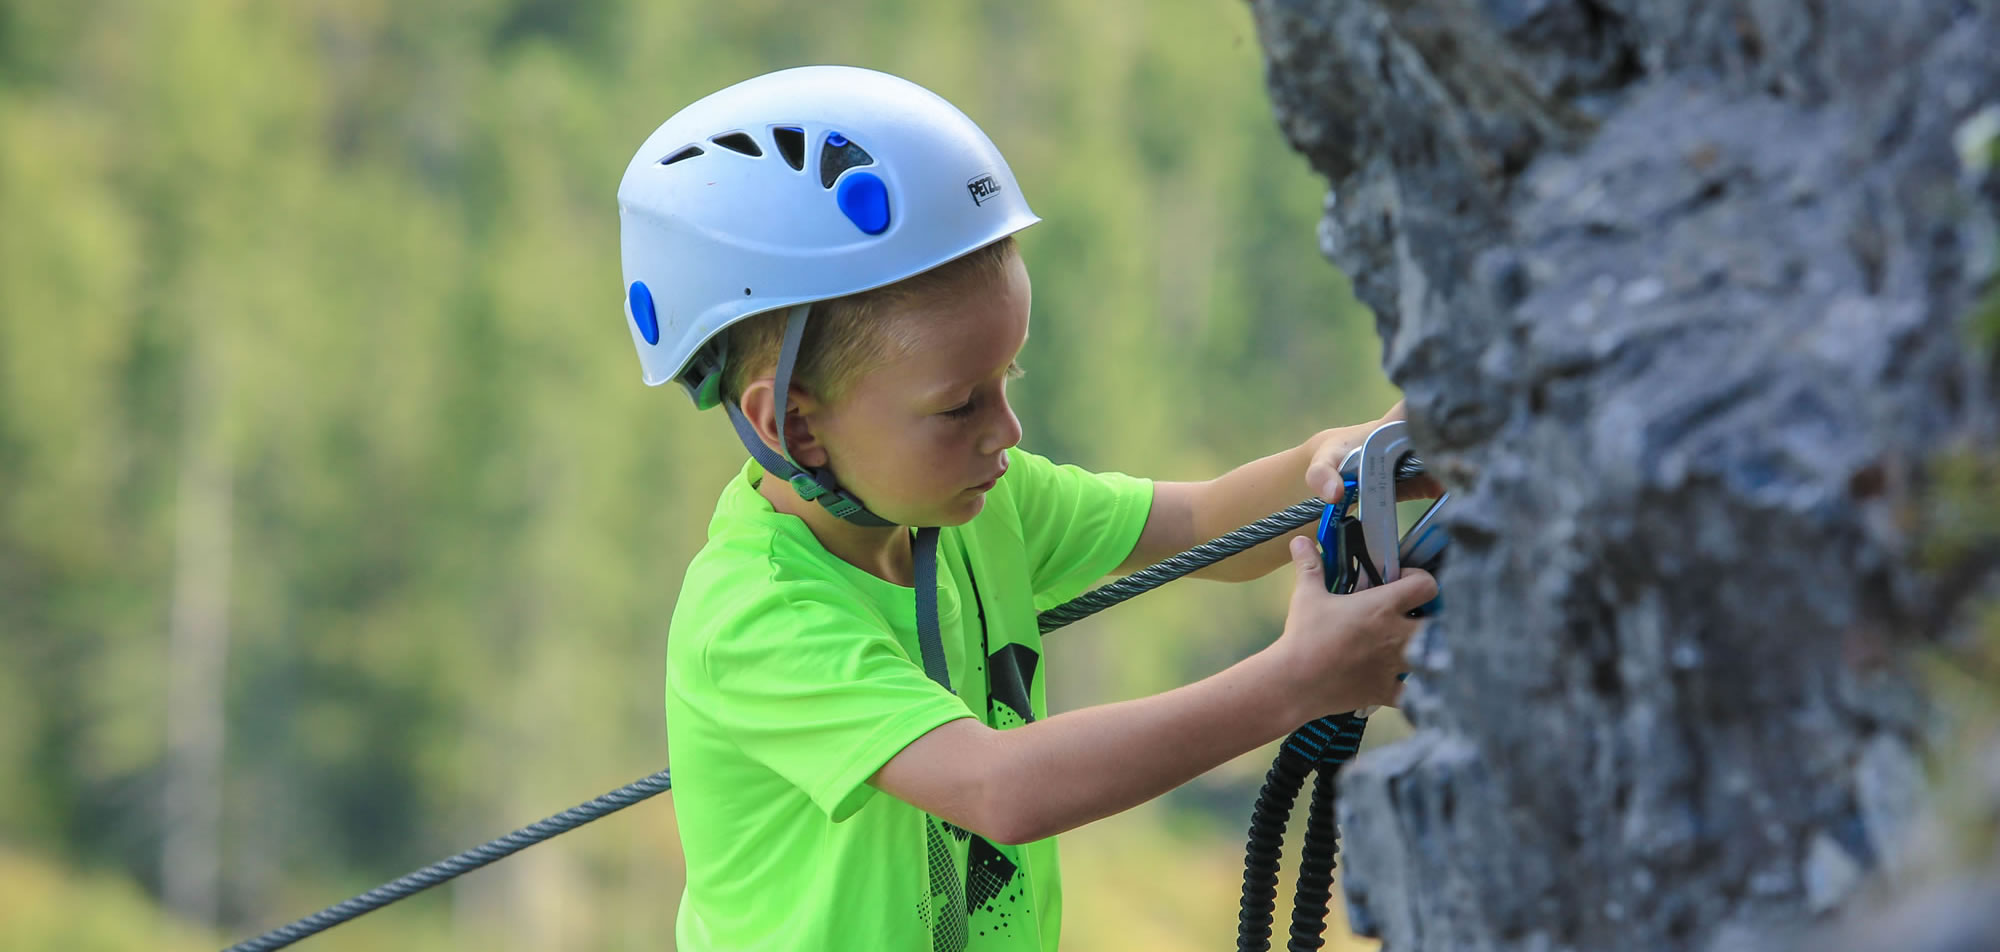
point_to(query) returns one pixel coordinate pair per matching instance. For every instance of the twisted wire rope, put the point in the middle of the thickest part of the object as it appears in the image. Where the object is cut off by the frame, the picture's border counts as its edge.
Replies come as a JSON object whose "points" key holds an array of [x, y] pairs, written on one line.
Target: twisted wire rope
{"points": [[1200, 557], [455, 866]]}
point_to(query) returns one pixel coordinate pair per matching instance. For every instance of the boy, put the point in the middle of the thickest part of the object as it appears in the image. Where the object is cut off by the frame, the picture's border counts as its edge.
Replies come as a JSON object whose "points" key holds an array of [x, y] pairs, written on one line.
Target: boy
{"points": [[856, 714]]}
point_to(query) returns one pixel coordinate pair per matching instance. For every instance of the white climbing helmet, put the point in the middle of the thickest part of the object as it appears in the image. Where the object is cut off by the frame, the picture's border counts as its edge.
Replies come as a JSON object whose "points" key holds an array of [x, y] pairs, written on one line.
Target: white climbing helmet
{"points": [[797, 186]]}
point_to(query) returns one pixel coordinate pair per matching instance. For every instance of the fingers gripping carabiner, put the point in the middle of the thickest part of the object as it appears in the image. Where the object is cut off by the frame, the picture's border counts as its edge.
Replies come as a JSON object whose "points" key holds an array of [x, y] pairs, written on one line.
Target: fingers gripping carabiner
{"points": [[1357, 535]]}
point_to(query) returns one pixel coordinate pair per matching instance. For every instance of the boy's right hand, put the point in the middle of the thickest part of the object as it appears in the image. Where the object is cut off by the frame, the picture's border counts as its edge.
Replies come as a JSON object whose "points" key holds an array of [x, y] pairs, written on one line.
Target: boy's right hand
{"points": [[1346, 650]]}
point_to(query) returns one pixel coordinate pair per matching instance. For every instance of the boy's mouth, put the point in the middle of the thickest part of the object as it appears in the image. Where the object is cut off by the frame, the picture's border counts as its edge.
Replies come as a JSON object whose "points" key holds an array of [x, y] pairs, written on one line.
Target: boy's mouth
{"points": [[989, 484]]}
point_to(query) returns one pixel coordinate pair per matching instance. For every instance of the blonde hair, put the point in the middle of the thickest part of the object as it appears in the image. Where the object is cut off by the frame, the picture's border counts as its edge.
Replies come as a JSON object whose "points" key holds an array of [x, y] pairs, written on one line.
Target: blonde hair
{"points": [[850, 335]]}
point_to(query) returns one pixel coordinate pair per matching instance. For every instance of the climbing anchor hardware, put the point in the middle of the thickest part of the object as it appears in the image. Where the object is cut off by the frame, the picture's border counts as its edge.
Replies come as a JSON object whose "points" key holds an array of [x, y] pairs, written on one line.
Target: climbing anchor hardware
{"points": [[1359, 548], [1314, 745], [1357, 535]]}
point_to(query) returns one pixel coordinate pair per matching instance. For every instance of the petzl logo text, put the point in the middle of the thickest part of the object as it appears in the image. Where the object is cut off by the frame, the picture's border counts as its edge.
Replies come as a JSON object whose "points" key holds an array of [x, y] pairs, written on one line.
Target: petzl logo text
{"points": [[982, 188]]}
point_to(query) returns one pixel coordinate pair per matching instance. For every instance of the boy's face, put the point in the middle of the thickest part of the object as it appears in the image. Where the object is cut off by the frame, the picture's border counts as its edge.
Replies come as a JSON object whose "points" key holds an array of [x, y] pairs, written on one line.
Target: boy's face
{"points": [[923, 435]]}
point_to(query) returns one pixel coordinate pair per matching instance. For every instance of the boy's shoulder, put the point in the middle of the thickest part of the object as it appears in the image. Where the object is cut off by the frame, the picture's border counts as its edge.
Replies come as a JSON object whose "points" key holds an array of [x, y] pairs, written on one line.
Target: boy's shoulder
{"points": [[758, 562], [751, 546]]}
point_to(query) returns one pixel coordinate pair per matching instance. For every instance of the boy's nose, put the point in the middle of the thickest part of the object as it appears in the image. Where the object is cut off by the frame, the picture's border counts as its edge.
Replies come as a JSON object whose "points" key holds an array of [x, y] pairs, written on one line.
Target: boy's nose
{"points": [[1007, 434]]}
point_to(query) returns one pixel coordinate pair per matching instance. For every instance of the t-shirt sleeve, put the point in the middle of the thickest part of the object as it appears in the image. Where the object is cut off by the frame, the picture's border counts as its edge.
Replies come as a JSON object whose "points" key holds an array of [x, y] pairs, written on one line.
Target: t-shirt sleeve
{"points": [[1077, 525], [820, 693]]}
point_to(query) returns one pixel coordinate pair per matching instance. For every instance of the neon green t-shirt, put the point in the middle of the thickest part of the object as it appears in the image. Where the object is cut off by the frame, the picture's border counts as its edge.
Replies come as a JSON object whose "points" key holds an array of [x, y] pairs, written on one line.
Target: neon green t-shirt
{"points": [[792, 677]]}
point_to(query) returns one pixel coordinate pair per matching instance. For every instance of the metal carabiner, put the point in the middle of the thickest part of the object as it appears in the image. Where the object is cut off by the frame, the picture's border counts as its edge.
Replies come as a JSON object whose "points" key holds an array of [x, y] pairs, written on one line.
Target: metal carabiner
{"points": [[1357, 536]]}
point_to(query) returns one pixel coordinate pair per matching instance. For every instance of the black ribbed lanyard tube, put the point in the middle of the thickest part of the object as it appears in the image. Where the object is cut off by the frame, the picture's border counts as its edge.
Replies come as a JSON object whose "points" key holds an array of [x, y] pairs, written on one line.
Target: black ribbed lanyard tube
{"points": [[1321, 747]]}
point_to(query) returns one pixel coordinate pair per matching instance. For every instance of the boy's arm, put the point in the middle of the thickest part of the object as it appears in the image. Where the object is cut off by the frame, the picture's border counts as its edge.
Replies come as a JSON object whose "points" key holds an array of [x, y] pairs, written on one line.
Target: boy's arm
{"points": [[1337, 653], [1056, 774], [1185, 515]]}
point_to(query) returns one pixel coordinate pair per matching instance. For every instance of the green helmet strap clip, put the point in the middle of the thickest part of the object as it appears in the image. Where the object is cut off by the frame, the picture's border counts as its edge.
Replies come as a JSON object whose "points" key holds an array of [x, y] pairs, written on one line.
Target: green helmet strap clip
{"points": [[808, 488], [705, 371], [708, 393]]}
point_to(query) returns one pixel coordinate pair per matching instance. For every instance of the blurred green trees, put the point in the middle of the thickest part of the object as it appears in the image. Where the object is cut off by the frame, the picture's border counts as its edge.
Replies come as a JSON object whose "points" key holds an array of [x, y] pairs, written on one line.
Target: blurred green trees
{"points": [[323, 452]]}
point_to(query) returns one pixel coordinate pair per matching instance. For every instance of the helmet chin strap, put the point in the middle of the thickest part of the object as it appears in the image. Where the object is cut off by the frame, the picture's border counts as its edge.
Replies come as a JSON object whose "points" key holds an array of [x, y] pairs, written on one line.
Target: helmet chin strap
{"points": [[816, 485]]}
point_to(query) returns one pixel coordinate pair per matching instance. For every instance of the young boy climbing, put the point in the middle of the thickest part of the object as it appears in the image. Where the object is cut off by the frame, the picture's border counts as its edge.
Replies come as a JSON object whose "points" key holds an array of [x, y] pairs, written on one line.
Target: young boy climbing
{"points": [[856, 711]]}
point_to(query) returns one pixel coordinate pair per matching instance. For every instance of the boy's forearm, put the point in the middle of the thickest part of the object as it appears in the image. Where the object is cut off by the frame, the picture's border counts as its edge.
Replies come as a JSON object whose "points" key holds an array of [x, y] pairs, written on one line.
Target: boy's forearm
{"points": [[1255, 490], [1083, 765]]}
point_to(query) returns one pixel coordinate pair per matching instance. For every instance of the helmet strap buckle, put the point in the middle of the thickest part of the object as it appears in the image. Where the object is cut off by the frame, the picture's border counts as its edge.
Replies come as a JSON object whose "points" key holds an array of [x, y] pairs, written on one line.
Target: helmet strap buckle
{"points": [[807, 487]]}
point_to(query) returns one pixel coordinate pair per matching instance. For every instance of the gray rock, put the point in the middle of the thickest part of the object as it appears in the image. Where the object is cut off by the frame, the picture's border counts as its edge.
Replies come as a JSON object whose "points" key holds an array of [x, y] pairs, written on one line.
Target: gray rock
{"points": [[1675, 289]]}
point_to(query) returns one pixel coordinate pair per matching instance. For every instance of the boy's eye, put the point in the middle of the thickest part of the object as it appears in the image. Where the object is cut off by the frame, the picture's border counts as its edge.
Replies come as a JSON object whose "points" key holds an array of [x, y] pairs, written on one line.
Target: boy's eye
{"points": [[960, 411]]}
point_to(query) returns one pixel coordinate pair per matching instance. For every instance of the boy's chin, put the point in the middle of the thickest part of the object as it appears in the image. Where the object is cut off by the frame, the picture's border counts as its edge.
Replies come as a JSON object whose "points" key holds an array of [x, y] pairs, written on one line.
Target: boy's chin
{"points": [[958, 513], [973, 507]]}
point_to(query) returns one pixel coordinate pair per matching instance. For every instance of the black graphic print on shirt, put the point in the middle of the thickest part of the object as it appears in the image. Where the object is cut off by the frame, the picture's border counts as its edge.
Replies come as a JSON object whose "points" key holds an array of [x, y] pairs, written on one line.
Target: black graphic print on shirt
{"points": [[995, 892], [946, 911], [993, 899], [1010, 672]]}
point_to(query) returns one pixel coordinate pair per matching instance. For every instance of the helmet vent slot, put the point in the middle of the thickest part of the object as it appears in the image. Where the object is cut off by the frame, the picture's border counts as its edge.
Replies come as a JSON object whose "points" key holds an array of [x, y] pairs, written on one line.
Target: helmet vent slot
{"points": [[838, 155], [738, 142], [792, 145], [687, 153]]}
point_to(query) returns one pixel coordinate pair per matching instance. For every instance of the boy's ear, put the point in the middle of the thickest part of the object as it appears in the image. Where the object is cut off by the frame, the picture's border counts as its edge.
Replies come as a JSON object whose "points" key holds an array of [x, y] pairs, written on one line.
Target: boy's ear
{"points": [[759, 406]]}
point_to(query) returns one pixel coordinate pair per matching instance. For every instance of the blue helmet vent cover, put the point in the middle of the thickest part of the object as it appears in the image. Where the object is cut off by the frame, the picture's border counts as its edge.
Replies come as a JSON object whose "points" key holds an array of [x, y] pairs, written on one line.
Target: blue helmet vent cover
{"points": [[865, 200], [641, 298]]}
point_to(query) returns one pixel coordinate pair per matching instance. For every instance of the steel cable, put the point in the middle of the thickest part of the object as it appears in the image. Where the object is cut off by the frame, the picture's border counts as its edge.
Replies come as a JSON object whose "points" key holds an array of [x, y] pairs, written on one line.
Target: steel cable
{"points": [[1199, 557], [456, 866]]}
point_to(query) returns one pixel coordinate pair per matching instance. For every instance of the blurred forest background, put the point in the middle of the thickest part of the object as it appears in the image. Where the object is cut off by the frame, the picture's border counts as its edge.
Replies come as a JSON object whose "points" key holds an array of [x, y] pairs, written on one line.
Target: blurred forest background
{"points": [[338, 533]]}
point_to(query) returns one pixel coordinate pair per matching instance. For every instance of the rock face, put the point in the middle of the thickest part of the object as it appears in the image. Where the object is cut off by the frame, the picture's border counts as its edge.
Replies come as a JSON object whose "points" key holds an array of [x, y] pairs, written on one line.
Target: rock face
{"points": [[1676, 291]]}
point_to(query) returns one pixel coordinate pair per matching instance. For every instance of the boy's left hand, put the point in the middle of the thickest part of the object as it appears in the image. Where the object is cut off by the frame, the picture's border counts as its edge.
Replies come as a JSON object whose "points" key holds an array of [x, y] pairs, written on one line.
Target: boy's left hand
{"points": [[1323, 473]]}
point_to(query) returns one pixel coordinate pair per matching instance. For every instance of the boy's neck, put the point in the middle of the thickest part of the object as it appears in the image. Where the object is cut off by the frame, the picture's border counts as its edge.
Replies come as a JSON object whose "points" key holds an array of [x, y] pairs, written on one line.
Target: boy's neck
{"points": [[881, 551]]}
